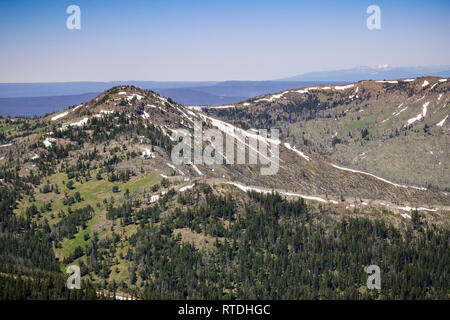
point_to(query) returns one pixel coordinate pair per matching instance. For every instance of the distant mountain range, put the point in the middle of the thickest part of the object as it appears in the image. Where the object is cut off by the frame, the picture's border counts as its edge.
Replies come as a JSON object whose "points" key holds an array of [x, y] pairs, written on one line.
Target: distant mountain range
{"points": [[32, 106], [383, 72], [29, 99], [41, 89]]}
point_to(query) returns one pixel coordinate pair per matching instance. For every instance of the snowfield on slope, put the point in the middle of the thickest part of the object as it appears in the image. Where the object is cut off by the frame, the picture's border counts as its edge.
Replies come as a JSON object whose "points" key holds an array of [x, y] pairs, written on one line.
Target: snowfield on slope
{"points": [[387, 81], [224, 107], [175, 168], [77, 107], [197, 169], [59, 116], [376, 177], [259, 190], [48, 142], [420, 116], [182, 189], [301, 154], [80, 123], [238, 134], [344, 87], [441, 123], [273, 97]]}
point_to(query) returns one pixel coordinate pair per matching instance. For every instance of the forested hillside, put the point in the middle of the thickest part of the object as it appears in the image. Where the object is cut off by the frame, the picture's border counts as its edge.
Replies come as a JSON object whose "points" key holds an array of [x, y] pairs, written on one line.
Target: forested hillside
{"points": [[95, 186], [395, 129]]}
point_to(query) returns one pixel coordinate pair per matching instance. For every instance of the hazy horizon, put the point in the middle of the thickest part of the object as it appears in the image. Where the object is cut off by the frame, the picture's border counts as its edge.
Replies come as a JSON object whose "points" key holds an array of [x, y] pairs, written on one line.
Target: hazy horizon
{"points": [[228, 80]]}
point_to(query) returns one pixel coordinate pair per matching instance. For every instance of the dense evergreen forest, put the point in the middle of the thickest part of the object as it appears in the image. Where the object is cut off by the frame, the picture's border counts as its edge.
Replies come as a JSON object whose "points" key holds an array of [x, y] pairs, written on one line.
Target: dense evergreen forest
{"points": [[265, 247], [279, 250], [28, 267]]}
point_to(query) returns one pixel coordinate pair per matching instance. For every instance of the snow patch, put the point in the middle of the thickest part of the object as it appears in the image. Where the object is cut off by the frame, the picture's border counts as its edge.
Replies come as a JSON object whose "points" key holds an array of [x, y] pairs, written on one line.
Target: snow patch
{"points": [[420, 116], [138, 97], [344, 87], [408, 209], [376, 177], [306, 90], [224, 107], [247, 188], [80, 123], [145, 115], [301, 154], [304, 197], [48, 142], [59, 116], [232, 131], [147, 153], [182, 189], [426, 209], [154, 198], [197, 170], [195, 108], [405, 215], [441, 123], [175, 168], [387, 81], [273, 97], [78, 106]]}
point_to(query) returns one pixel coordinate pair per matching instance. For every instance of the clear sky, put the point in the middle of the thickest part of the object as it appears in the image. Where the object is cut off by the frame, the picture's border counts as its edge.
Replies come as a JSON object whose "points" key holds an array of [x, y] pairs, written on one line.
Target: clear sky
{"points": [[194, 40]]}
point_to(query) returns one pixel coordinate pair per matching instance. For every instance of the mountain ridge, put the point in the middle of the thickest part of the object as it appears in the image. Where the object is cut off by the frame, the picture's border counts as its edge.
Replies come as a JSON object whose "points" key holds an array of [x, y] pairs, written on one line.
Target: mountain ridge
{"points": [[165, 113], [385, 109]]}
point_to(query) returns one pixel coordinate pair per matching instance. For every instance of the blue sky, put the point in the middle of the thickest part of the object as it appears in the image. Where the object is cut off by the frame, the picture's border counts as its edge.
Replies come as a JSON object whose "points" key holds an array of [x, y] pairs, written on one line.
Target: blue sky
{"points": [[194, 40]]}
